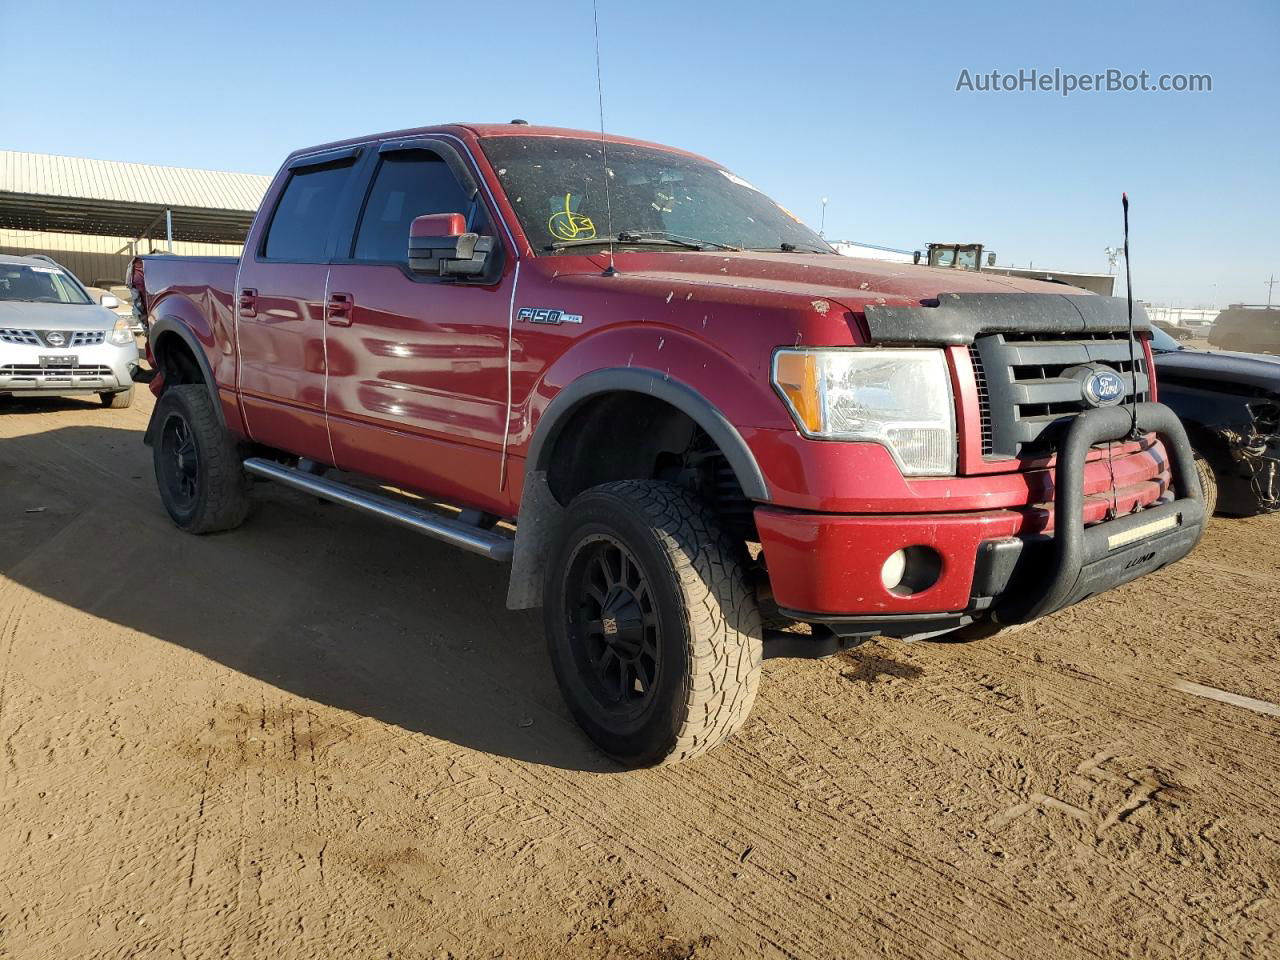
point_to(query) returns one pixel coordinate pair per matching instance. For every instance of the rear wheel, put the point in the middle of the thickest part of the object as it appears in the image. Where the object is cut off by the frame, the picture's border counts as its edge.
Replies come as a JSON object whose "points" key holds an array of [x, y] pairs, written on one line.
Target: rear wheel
{"points": [[119, 400], [653, 631], [197, 463]]}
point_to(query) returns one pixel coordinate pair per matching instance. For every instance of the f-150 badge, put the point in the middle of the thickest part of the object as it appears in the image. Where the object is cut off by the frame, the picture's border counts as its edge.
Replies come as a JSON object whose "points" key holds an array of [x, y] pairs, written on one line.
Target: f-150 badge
{"points": [[547, 315]]}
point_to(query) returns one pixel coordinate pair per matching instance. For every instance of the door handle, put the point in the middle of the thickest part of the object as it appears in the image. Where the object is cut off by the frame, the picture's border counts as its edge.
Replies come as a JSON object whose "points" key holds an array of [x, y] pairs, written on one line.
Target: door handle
{"points": [[339, 309], [248, 303]]}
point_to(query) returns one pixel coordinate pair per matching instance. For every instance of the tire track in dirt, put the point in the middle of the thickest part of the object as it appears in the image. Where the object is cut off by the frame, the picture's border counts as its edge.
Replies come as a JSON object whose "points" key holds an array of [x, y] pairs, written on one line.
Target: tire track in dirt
{"points": [[854, 815]]}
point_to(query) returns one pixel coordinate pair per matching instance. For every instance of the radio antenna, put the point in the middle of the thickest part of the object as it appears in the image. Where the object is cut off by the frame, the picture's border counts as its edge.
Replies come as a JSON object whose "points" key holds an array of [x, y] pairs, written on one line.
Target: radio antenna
{"points": [[604, 146], [1128, 289]]}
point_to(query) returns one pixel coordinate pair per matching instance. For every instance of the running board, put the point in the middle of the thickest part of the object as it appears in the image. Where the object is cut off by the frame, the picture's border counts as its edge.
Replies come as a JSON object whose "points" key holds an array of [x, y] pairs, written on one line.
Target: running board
{"points": [[487, 543]]}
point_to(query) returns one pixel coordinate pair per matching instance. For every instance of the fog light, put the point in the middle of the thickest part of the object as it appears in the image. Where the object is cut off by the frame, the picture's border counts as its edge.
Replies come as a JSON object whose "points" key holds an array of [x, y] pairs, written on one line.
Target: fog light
{"points": [[893, 569], [910, 570]]}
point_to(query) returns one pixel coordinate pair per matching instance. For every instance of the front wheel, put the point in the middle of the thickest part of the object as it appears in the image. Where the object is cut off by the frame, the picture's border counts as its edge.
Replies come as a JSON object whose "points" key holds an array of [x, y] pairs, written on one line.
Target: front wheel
{"points": [[1208, 484], [118, 400], [197, 463], [654, 632]]}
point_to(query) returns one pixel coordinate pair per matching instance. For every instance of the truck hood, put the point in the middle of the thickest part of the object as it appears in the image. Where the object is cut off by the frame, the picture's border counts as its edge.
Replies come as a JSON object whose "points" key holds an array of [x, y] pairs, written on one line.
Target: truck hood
{"points": [[1217, 366], [851, 281], [23, 315]]}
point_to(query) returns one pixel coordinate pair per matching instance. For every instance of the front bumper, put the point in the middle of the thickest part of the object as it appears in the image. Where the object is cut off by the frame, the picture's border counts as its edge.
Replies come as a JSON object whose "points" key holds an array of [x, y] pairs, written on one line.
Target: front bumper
{"points": [[102, 368], [1010, 565]]}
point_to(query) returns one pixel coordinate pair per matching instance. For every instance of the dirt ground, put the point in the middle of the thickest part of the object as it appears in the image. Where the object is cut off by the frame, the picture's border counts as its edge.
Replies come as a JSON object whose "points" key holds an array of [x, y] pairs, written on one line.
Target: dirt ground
{"points": [[319, 736]]}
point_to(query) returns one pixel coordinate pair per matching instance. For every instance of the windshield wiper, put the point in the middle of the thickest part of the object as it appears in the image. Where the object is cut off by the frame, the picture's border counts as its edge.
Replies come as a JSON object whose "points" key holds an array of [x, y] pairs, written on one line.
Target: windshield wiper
{"points": [[678, 238], [647, 238], [790, 248]]}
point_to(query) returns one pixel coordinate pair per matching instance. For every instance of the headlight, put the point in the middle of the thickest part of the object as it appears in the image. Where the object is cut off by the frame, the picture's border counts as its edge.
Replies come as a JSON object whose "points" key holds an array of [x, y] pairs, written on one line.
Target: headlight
{"points": [[121, 335], [898, 398]]}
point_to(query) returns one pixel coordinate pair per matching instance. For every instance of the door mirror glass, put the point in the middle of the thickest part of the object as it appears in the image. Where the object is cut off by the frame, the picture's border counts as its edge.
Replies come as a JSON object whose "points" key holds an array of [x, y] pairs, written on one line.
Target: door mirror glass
{"points": [[440, 247]]}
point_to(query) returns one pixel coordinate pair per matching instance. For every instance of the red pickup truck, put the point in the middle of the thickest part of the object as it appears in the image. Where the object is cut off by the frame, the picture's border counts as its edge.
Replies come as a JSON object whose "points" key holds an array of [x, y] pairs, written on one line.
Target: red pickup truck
{"points": [[667, 403]]}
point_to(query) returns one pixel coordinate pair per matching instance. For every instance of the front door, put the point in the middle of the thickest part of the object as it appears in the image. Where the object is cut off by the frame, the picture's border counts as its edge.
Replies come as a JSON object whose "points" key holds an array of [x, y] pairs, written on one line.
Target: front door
{"points": [[417, 385]]}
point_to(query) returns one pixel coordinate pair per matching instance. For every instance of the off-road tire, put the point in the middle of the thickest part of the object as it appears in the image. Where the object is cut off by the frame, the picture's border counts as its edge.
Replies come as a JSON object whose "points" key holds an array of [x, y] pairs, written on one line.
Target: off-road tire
{"points": [[119, 400], [220, 498], [1208, 484], [705, 615]]}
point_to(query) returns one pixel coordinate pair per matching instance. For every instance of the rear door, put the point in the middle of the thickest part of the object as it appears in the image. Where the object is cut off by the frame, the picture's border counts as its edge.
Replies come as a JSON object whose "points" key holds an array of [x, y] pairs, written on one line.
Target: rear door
{"points": [[417, 387], [280, 303]]}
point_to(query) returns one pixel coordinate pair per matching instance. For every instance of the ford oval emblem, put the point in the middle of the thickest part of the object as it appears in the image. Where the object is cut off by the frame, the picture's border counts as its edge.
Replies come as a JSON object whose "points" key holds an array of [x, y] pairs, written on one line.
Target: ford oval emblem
{"points": [[1103, 388]]}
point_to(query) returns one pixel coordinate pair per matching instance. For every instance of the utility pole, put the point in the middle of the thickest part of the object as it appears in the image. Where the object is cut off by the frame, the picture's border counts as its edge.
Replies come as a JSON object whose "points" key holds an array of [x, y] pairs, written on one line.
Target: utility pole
{"points": [[1113, 256], [1270, 283]]}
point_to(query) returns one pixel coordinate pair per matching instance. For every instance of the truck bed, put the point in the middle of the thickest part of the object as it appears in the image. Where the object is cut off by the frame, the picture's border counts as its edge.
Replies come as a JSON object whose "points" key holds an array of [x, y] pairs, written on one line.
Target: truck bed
{"points": [[165, 274], [191, 296]]}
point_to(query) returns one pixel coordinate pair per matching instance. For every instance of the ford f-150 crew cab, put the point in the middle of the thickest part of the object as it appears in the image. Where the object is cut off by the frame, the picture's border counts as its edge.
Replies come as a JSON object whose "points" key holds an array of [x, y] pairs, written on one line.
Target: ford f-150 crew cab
{"points": [[684, 403]]}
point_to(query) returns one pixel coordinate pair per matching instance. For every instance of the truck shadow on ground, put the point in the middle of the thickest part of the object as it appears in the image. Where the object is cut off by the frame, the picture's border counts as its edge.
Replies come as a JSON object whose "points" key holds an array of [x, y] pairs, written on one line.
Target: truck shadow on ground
{"points": [[310, 598]]}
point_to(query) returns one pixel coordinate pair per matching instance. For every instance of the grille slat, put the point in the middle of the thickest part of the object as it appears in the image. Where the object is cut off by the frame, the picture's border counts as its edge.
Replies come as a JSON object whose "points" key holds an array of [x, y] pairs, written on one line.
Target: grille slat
{"points": [[52, 373], [984, 401], [1023, 395]]}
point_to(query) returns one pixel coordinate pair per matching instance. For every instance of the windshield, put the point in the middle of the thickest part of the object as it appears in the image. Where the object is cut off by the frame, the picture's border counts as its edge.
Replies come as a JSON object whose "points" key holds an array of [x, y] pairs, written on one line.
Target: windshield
{"points": [[1162, 341], [37, 284], [556, 185]]}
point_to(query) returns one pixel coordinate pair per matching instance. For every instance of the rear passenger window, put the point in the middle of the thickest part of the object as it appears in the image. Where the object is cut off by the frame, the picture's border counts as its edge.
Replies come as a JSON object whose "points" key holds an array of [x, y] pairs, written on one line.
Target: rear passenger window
{"points": [[300, 226], [407, 185]]}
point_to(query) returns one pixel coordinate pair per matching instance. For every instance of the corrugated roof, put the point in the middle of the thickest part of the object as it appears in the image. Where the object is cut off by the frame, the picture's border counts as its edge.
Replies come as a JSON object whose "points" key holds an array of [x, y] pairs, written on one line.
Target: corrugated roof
{"points": [[48, 175], [76, 195]]}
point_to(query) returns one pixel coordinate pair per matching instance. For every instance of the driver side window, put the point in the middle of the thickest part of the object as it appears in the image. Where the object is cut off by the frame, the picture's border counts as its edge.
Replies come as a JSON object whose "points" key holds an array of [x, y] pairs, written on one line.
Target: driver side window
{"points": [[409, 184]]}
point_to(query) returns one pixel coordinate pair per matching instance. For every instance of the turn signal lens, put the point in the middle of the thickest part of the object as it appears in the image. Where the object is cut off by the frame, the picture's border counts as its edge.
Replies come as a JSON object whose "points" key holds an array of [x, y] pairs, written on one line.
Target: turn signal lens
{"points": [[796, 375]]}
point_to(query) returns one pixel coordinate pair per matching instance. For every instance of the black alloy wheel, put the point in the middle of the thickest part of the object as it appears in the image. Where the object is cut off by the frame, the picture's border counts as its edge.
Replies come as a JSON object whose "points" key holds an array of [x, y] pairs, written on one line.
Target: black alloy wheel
{"points": [[613, 626], [179, 460]]}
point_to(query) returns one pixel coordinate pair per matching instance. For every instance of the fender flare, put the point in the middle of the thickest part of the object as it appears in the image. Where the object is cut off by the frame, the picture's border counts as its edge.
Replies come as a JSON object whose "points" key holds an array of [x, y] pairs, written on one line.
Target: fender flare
{"points": [[170, 324], [654, 384], [540, 513]]}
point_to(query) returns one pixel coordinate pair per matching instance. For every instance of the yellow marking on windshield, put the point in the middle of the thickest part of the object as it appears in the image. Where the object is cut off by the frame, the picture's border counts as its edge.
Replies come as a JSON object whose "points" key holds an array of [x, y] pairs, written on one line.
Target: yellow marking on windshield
{"points": [[567, 225]]}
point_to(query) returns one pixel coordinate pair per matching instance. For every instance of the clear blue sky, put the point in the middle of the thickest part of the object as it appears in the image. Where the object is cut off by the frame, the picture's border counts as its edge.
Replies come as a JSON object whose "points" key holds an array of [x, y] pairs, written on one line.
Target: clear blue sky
{"points": [[852, 101]]}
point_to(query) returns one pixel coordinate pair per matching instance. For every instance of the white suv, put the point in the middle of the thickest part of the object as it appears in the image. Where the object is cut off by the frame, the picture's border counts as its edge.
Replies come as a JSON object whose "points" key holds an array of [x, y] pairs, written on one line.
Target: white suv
{"points": [[55, 340]]}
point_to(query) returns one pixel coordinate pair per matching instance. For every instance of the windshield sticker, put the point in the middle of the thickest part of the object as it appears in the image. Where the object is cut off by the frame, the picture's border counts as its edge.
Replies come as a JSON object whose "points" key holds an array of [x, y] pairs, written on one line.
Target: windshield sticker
{"points": [[44, 270], [734, 178], [566, 224]]}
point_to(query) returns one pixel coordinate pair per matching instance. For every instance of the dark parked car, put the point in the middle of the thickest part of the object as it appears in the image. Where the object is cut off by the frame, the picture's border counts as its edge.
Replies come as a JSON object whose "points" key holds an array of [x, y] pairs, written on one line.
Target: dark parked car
{"points": [[1230, 406], [1251, 328]]}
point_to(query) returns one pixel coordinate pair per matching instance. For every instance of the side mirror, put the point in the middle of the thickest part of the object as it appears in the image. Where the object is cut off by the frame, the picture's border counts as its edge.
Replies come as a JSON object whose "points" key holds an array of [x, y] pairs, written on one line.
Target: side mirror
{"points": [[110, 301], [440, 247]]}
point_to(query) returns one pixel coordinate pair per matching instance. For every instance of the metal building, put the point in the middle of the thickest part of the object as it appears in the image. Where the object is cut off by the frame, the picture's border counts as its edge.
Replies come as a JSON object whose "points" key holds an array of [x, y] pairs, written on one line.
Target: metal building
{"points": [[93, 215]]}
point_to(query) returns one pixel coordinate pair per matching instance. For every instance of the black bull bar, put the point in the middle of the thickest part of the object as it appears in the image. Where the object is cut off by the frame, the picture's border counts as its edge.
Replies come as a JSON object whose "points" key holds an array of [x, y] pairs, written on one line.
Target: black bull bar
{"points": [[1078, 561]]}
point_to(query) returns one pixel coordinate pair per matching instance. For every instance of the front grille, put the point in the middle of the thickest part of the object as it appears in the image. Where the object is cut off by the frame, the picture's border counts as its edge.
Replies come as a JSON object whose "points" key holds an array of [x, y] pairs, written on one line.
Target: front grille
{"points": [[40, 338], [1022, 393]]}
